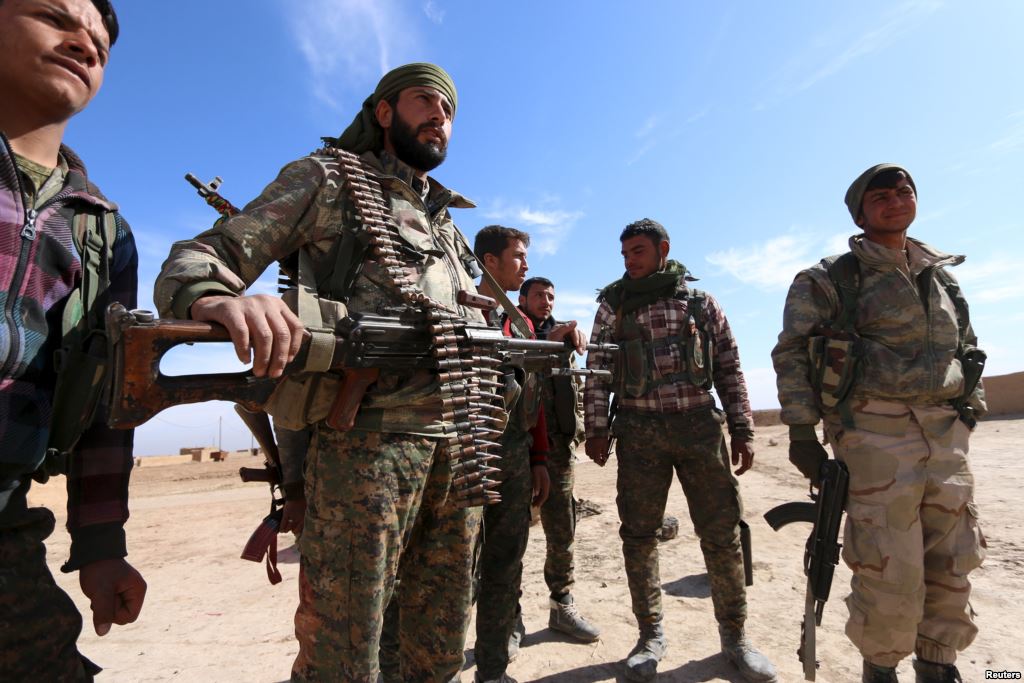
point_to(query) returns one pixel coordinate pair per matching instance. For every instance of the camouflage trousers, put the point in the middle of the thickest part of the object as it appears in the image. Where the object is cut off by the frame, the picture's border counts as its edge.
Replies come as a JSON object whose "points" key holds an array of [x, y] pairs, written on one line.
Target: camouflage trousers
{"points": [[558, 517], [651, 447], [912, 534], [378, 511], [505, 535], [39, 623]]}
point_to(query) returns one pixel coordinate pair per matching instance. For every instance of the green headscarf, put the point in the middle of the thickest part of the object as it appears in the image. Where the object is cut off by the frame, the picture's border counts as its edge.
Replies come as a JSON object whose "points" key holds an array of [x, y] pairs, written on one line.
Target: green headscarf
{"points": [[364, 133], [626, 295]]}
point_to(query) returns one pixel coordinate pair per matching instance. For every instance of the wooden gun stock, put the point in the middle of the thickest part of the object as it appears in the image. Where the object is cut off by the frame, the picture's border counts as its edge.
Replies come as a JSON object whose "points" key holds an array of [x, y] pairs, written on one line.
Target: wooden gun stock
{"points": [[140, 390]]}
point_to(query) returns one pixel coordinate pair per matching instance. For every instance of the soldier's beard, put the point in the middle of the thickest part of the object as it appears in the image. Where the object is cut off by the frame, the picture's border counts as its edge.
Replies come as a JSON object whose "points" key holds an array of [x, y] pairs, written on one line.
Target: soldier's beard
{"points": [[423, 156]]}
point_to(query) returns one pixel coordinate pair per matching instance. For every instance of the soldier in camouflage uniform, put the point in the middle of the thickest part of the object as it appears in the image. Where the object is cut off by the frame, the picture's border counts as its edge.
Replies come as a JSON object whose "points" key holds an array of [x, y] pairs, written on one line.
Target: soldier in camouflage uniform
{"points": [[912, 534], [52, 60], [378, 503], [524, 474], [563, 412], [673, 342]]}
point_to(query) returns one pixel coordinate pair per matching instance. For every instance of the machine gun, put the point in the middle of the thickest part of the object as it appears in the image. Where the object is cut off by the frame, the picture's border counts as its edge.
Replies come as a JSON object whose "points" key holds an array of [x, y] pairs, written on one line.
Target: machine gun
{"points": [[364, 344], [821, 554]]}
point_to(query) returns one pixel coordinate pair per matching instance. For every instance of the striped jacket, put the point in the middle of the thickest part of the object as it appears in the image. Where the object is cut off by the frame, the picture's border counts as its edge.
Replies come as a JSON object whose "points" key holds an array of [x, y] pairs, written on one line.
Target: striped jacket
{"points": [[39, 268]]}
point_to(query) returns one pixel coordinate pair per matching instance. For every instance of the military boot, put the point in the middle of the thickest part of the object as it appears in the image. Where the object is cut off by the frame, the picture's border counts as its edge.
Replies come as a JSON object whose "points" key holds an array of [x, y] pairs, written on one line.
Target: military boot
{"points": [[931, 672], [753, 665], [516, 638], [878, 674], [642, 664], [566, 618]]}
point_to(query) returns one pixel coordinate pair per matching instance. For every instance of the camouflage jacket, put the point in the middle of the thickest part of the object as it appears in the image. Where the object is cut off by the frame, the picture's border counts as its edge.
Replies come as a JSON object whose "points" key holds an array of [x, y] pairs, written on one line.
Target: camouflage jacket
{"points": [[307, 207], [908, 328]]}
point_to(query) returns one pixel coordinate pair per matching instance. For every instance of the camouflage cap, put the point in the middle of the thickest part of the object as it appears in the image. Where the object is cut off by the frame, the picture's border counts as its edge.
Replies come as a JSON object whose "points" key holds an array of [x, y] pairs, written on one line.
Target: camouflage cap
{"points": [[106, 10], [364, 133], [855, 193]]}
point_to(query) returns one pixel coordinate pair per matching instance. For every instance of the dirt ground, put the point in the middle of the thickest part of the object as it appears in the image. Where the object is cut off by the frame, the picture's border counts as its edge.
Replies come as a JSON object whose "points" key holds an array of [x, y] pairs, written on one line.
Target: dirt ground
{"points": [[211, 616]]}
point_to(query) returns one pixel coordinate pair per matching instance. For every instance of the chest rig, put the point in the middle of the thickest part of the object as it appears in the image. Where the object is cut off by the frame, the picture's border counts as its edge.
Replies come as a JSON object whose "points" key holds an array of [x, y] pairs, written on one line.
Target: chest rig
{"points": [[467, 373], [637, 373]]}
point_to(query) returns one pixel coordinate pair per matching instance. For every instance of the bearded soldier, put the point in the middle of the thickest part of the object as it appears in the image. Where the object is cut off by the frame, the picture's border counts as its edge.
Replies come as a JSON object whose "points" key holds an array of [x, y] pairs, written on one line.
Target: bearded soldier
{"points": [[674, 343], [378, 503], [893, 372]]}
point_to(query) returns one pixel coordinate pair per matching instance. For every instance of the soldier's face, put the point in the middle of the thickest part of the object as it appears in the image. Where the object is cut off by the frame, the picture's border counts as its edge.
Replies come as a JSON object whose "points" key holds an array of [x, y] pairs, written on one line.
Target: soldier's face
{"points": [[419, 127], [539, 301], [889, 210], [52, 56], [509, 269], [642, 257]]}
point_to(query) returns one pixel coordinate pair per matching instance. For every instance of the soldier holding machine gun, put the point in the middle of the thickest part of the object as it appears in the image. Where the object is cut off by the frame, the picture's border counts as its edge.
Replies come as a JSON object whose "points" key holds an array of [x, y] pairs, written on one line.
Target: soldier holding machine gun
{"points": [[877, 344], [365, 229]]}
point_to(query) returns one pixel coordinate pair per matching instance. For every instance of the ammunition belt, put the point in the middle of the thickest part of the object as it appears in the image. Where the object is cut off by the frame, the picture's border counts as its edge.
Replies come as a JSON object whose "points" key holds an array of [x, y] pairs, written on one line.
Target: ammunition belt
{"points": [[468, 374]]}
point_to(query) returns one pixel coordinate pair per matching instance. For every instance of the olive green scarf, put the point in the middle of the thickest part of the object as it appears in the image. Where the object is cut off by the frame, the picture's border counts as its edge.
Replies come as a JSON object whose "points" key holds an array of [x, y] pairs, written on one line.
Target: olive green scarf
{"points": [[626, 295]]}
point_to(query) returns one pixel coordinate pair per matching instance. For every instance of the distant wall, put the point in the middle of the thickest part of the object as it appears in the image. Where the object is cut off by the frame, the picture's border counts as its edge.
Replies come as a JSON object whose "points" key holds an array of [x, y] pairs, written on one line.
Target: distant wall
{"points": [[1003, 393]]}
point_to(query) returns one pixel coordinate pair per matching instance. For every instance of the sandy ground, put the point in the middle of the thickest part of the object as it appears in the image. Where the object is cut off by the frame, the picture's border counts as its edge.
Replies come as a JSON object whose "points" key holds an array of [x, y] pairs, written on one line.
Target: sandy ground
{"points": [[211, 616]]}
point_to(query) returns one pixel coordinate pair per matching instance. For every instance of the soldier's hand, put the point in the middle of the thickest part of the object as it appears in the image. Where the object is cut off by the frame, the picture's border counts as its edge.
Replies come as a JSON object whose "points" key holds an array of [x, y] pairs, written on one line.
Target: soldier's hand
{"points": [[742, 455], [115, 590], [597, 449], [808, 456], [293, 517], [569, 331], [541, 484], [262, 327]]}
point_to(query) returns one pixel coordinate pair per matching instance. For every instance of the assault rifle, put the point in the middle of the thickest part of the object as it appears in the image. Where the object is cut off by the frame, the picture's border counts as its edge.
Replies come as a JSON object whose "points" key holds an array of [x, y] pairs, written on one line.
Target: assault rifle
{"points": [[821, 554], [364, 344]]}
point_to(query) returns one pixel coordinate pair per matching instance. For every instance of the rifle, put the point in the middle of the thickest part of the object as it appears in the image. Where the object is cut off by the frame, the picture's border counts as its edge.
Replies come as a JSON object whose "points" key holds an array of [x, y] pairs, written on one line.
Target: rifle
{"points": [[821, 554], [263, 541], [208, 191]]}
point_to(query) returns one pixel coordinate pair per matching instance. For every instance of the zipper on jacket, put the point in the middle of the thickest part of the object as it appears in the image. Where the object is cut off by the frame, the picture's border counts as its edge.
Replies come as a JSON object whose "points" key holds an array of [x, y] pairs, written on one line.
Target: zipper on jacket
{"points": [[28, 236]]}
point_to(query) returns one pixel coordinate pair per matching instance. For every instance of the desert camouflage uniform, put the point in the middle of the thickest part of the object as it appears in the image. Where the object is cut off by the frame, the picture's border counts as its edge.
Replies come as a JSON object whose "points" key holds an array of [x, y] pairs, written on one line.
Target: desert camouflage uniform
{"points": [[675, 428], [912, 533], [378, 506], [558, 514]]}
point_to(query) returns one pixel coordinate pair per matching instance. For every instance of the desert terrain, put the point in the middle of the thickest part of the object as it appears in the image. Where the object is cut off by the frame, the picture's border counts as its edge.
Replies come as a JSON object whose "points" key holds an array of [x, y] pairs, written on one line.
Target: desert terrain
{"points": [[211, 616]]}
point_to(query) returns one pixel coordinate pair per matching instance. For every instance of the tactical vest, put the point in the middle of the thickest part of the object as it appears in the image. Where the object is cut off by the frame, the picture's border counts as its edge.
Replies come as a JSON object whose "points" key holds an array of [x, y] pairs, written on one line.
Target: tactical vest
{"points": [[835, 351], [81, 360], [635, 371]]}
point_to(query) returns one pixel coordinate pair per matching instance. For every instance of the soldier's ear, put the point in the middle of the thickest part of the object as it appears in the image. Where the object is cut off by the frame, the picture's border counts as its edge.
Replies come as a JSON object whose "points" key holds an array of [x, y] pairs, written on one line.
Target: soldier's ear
{"points": [[860, 220], [384, 112], [663, 248]]}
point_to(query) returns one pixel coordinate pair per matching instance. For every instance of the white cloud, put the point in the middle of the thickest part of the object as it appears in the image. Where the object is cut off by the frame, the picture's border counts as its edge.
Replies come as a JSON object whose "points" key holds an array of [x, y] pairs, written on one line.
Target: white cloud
{"points": [[548, 227], [1014, 135], [433, 12], [794, 77], [772, 265], [573, 305], [349, 42], [990, 281]]}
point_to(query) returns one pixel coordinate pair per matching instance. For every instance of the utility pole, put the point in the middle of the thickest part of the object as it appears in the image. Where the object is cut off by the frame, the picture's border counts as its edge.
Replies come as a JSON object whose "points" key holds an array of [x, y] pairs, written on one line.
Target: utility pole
{"points": [[220, 433]]}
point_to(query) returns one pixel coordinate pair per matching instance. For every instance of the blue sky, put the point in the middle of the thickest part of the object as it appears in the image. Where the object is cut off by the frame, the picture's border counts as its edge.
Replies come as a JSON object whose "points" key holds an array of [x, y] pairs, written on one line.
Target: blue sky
{"points": [[736, 125]]}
